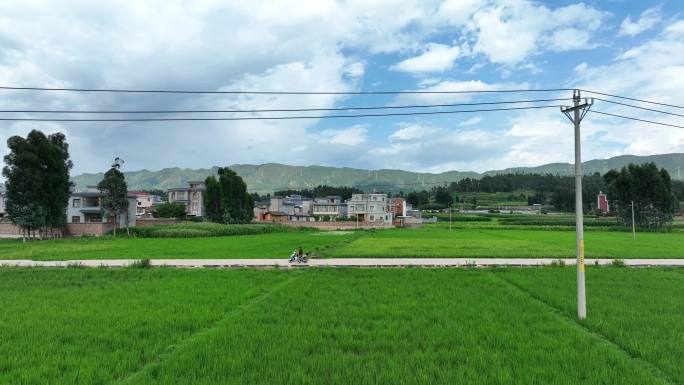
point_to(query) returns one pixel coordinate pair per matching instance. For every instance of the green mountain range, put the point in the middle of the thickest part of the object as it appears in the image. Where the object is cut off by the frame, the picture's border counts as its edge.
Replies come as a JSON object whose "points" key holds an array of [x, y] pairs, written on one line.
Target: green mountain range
{"points": [[273, 176]]}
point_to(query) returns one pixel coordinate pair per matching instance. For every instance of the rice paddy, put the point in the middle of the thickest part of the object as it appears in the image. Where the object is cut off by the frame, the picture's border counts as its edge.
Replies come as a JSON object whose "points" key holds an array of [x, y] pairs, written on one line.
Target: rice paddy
{"points": [[339, 326], [436, 240]]}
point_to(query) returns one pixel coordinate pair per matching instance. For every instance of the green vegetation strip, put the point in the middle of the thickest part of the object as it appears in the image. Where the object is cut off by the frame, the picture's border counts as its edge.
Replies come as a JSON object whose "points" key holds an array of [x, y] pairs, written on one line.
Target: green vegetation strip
{"points": [[338, 326], [206, 229], [434, 241], [271, 245], [439, 242]]}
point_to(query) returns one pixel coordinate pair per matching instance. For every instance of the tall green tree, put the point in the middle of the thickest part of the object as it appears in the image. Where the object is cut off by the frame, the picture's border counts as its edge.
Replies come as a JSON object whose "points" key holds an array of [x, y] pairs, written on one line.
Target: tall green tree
{"points": [[238, 204], [38, 187], [442, 196], [226, 200], [114, 194], [213, 200], [648, 188]]}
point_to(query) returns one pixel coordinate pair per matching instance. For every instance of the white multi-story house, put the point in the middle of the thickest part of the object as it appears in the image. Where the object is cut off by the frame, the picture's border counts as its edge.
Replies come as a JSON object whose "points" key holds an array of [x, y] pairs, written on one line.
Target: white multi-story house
{"points": [[370, 208], [85, 207], [2, 206], [190, 196], [331, 206]]}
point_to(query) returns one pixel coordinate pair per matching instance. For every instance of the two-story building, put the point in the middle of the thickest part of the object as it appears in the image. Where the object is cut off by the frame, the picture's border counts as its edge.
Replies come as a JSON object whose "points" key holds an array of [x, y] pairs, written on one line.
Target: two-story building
{"points": [[145, 202], [330, 206], [294, 207], [3, 214], [370, 208], [190, 196], [86, 207]]}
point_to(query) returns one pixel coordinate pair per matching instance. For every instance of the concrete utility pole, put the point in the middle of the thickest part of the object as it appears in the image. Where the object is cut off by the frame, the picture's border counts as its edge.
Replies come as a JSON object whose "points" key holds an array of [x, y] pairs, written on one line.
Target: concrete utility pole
{"points": [[450, 204], [576, 113], [633, 224]]}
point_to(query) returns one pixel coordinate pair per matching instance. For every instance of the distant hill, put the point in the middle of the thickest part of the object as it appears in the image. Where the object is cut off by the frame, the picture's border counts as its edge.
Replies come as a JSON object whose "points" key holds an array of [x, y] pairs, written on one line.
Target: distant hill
{"points": [[273, 176]]}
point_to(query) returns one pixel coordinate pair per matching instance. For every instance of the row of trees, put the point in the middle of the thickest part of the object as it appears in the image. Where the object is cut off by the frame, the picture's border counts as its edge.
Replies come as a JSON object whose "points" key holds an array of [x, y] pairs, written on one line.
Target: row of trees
{"points": [[645, 187], [318, 191], [226, 199], [38, 185]]}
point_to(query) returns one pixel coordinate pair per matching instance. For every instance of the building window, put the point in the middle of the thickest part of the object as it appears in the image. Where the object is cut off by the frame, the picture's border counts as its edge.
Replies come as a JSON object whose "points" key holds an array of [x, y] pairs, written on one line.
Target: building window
{"points": [[76, 203], [94, 218], [76, 219]]}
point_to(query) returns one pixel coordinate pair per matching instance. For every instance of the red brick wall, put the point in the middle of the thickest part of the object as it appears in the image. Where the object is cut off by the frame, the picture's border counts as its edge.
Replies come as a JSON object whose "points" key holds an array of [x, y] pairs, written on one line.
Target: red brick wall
{"points": [[142, 222], [337, 225], [80, 229], [9, 230]]}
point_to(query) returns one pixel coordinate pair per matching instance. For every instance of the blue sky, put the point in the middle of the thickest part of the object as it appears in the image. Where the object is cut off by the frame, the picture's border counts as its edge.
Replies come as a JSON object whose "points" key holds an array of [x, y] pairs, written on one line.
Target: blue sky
{"points": [[623, 47]]}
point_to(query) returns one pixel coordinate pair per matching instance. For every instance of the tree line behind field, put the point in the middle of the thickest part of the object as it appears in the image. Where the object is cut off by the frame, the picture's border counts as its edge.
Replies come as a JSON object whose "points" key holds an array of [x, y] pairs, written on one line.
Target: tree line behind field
{"points": [[655, 195]]}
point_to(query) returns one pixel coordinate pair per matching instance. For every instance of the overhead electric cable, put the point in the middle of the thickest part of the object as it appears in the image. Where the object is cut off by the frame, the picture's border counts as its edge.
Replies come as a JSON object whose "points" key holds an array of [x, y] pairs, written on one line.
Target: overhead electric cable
{"points": [[280, 109], [235, 92], [274, 117], [637, 119], [639, 107], [633, 99]]}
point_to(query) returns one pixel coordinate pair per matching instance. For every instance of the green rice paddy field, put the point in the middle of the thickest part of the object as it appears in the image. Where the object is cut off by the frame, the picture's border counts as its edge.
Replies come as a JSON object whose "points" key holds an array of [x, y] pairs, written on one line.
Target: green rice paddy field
{"points": [[340, 326], [465, 241]]}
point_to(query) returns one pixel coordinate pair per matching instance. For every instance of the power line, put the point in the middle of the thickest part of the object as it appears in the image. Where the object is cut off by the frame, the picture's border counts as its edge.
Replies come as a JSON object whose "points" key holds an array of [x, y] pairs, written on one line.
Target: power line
{"points": [[280, 110], [633, 99], [637, 119], [280, 92], [275, 117], [639, 107]]}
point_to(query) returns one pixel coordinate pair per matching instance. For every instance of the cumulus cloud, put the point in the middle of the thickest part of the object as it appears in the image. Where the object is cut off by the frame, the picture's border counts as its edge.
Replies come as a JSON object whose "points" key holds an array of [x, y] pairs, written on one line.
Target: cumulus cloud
{"points": [[648, 19], [445, 86], [352, 136], [511, 32], [436, 58], [323, 46]]}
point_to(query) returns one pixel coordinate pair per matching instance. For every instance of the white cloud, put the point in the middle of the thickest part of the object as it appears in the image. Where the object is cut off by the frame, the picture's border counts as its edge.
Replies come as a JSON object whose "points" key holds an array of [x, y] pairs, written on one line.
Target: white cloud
{"points": [[648, 19], [447, 85], [646, 71], [512, 31], [409, 132], [471, 122], [352, 136], [581, 68], [436, 58]]}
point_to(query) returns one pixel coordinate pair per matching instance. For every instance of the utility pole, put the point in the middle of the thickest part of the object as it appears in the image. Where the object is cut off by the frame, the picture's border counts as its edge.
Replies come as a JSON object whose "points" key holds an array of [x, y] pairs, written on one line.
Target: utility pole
{"points": [[576, 113], [450, 204], [633, 224]]}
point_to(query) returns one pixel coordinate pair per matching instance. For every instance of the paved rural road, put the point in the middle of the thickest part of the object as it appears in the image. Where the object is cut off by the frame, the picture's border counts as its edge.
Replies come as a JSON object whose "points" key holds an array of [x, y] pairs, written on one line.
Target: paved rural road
{"points": [[340, 262]]}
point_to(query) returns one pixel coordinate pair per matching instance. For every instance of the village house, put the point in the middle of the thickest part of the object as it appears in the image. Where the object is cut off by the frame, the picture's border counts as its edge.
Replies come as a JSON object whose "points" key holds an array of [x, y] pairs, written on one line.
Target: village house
{"points": [[294, 207], [86, 207], [144, 203], [3, 214], [370, 208], [190, 196], [331, 207], [602, 203]]}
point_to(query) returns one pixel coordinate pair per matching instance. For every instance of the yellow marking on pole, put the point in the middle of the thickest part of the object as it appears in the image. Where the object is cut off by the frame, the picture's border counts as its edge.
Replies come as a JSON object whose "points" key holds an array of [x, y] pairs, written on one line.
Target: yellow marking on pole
{"points": [[581, 255]]}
